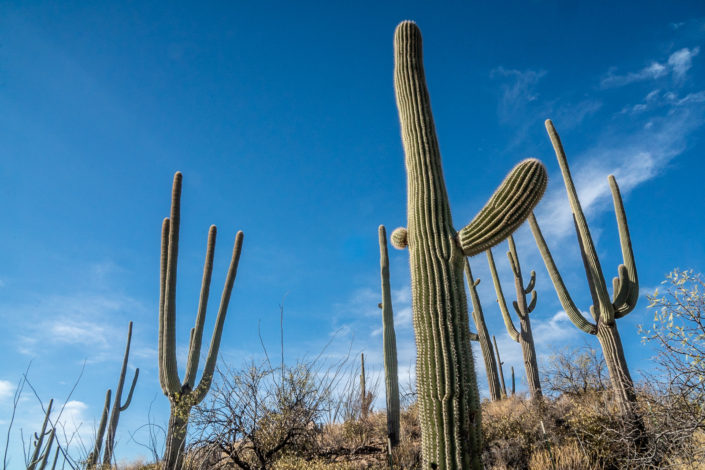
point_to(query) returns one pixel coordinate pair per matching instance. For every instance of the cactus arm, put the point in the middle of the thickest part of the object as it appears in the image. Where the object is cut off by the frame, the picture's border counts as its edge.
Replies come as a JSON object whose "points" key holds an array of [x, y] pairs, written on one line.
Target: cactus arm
{"points": [[627, 293], [531, 284], [162, 292], [195, 346], [593, 263], [532, 304], [209, 367], [399, 238], [171, 374], [508, 208], [563, 296], [132, 389], [474, 336], [500, 299]]}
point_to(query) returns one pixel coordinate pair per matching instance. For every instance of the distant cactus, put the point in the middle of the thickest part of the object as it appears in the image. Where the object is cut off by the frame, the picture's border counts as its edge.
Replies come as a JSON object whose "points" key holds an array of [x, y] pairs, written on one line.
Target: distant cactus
{"points": [[41, 452], [524, 336], [501, 369], [183, 396], [449, 402], [117, 408], [390, 344], [93, 457], [483, 336], [604, 310], [513, 385]]}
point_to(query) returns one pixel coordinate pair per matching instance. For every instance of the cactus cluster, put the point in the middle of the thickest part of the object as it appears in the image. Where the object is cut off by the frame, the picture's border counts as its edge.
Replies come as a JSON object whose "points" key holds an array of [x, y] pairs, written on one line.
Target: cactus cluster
{"points": [[40, 455], [449, 404], [523, 336], [184, 395]]}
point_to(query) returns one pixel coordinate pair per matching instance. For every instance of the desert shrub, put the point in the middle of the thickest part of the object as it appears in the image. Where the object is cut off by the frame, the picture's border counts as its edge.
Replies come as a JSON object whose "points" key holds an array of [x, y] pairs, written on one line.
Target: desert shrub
{"points": [[561, 457]]}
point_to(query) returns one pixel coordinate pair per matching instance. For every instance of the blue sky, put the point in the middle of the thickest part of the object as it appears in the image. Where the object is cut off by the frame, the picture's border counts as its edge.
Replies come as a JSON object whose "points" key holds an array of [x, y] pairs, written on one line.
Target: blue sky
{"points": [[281, 116]]}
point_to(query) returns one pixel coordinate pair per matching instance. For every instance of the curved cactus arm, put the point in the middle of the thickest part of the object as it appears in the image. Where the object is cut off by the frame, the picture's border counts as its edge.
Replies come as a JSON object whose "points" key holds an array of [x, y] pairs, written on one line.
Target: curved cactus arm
{"points": [[532, 282], [500, 299], [209, 367], [593, 262], [162, 292], [626, 290], [566, 301], [508, 208], [532, 304], [132, 389], [171, 374], [195, 346]]}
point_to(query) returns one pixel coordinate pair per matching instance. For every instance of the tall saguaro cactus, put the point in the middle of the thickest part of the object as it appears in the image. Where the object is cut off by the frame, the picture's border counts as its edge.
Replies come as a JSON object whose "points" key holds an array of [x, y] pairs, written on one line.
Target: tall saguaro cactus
{"points": [[184, 395], [117, 407], [391, 374], [483, 335], [524, 336], [604, 310], [449, 404], [93, 457], [500, 365]]}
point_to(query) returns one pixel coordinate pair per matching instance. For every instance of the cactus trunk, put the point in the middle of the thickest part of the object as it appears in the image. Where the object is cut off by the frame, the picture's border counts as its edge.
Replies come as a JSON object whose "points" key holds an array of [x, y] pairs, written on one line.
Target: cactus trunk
{"points": [[449, 403], [483, 336], [363, 388], [93, 457], [622, 384], [390, 345]]}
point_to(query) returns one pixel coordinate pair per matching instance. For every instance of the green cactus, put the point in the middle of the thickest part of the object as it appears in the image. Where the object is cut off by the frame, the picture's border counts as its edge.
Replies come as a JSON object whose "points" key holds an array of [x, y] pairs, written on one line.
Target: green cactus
{"points": [[390, 344], [93, 457], [524, 336], [183, 396], [449, 404], [364, 405], [625, 287], [501, 369], [513, 385], [483, 336], [41, 452]]}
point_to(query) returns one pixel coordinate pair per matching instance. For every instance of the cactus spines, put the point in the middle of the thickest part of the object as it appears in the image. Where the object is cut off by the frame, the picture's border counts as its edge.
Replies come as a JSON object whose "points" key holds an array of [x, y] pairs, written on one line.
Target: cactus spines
{"points": [[390, 344], [93, 457], [449, 404], [117, 407], [604, 310], [183, 396], [483, 336], [524, 335], [501, 369], [37, 454], [399, 238]]}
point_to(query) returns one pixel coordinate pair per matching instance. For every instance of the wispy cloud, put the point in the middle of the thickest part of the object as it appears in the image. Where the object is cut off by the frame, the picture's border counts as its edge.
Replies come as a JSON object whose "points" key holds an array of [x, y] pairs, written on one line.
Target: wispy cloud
{"points": [[677, 65], [518, 89]]}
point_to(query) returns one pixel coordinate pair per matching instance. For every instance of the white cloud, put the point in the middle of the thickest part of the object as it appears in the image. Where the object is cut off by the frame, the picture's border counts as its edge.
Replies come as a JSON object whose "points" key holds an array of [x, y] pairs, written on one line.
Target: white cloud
{"points": [[7, 389], [677, 64], [517, 90]]}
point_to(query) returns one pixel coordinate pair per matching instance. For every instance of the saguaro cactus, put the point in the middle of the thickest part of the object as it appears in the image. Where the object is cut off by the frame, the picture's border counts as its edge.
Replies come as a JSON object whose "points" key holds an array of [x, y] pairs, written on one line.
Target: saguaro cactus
{"points": [[117, 408], [524, 336], [501, 369], [184, 395], [483, 336], [93, 457], [41, 452], [390, 344], [604, 310], [449, 405]]}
